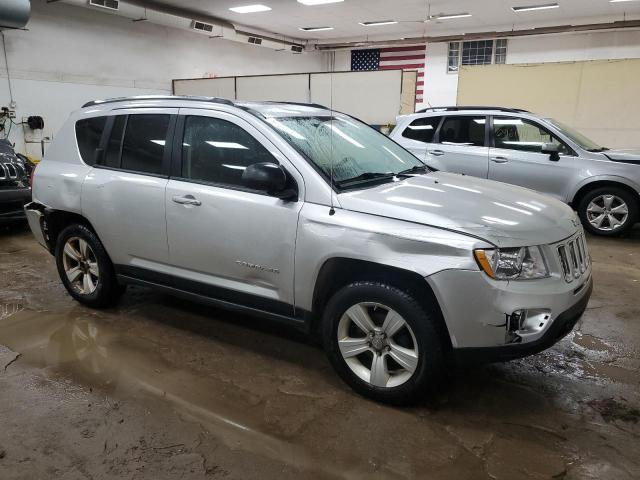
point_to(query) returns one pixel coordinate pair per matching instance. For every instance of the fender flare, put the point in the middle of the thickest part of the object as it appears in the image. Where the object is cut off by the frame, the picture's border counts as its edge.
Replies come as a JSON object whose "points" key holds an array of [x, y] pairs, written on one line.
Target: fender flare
{"points": [[602, 178]]}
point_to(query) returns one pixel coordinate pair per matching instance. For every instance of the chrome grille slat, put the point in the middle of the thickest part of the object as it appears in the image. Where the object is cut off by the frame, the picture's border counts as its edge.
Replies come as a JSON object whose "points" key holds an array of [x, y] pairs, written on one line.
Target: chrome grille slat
{"points": [[574, 258]]}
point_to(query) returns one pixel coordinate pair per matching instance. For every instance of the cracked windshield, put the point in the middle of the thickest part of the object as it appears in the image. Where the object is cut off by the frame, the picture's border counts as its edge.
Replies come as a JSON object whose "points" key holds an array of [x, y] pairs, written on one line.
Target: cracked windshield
{"points": [[354, 151]]}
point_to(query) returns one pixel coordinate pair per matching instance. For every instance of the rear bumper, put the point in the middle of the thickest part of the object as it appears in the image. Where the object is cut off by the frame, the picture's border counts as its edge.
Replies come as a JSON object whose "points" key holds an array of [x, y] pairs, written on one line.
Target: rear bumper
{"points": [[561, 326], [35, 216], [12, 202]]}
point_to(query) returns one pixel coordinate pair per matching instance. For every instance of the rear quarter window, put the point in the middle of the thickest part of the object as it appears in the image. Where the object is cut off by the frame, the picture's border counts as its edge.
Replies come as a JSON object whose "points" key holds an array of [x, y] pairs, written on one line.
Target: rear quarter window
{"points": [[88, 134], [422, 129]]}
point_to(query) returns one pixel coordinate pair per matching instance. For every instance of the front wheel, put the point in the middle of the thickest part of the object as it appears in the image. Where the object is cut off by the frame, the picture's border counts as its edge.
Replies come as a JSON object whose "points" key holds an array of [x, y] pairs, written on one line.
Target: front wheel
{"points": [[85, 267], [608, 211], [382, 342]]}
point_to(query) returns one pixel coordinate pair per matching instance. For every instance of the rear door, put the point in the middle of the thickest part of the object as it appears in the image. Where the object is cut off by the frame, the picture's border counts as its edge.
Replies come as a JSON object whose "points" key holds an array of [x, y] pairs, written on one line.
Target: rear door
{"points": [[123, 195], [461, 145], [418, 138], [516, 157]]}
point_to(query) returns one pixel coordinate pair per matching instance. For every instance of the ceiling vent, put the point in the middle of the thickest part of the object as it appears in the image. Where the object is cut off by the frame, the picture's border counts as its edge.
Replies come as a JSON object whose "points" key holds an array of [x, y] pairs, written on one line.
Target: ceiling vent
{"points": [[202, 27], [108, 4], [255, 40], [297, 48]]}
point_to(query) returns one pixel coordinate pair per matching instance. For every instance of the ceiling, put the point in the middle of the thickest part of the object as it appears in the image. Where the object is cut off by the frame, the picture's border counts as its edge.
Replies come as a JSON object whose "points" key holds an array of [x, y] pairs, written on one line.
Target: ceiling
{"points": [[287, 16]]}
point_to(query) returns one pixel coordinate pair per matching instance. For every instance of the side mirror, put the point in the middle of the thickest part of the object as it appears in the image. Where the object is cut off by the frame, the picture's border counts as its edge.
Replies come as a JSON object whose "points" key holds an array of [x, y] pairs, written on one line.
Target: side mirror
{"points": [[553, 150], [268, 177]]}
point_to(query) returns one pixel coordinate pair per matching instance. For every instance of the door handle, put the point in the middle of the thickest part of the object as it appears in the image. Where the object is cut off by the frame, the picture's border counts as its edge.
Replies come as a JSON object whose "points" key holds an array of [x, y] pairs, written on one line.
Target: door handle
{"points": [[187, 200], [499, 159], [436, 153]]}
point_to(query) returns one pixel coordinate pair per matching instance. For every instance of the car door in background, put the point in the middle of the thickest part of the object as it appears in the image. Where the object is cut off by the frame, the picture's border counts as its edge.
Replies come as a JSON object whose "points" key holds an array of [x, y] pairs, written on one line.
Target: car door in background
{"points": [[516, 157], [231, 242], [123, 194], [461, 145]]}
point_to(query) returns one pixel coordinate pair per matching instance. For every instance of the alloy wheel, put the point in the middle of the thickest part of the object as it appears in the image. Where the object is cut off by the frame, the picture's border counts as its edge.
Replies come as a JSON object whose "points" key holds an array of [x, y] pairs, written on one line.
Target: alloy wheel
{"points": [[607, 212], [80, 266], [377, 344]]}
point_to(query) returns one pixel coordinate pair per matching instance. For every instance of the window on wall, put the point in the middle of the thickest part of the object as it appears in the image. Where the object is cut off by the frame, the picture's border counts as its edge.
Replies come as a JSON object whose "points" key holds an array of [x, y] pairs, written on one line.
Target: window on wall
{"points": [[476, 52]]}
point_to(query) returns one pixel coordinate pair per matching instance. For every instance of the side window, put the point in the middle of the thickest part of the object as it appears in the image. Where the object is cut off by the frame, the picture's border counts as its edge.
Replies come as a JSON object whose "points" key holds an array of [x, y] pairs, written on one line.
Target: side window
{"points": [[144, 141], [114, 144], [88, 134], [422, 129], [463, 130], [218, 151], [521, 134]]}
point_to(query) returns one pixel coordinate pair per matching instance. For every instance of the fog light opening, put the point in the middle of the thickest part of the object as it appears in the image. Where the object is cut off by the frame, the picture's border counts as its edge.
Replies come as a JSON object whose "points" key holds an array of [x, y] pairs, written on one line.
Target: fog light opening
{"points": [[526, 322]]}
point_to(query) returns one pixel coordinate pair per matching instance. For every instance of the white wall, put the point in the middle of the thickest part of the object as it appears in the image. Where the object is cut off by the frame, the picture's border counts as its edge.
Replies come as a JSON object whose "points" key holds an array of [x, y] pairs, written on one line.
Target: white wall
{"points": [[70, 55], [441, 87]]}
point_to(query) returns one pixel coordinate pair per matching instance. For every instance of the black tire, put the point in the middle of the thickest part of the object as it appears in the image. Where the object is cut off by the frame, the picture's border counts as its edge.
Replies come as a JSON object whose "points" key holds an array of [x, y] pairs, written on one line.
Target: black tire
{"points": [[107, 290], [629, 199], [430, 366]]}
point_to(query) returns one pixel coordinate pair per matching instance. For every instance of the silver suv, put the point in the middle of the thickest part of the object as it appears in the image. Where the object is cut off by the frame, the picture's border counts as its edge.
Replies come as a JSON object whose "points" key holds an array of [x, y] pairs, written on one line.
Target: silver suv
{"points": [[518, 147], [311, 218]]}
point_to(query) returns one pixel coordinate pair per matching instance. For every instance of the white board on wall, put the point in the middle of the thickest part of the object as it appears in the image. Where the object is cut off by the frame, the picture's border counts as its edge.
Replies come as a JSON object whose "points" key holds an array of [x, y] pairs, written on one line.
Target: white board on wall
{"points": [[373, 97], [278, 88], [206, 87]]}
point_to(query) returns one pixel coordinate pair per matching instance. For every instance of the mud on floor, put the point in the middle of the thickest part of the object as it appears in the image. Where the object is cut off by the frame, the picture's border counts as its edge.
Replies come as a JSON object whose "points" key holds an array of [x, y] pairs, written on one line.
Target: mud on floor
{"points": [[158, 388]]}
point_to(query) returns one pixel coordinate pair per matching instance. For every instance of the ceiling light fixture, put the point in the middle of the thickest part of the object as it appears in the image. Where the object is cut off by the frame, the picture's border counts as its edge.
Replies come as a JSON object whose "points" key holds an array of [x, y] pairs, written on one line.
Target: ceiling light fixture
{"points": [[318, 2], [250, 9], [530, 8], [448, 16], [375, 24], [617, 1], [314, 29]]}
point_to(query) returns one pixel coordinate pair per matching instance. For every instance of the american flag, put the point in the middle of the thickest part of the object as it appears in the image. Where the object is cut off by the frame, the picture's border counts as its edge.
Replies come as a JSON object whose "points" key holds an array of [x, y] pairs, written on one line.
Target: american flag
{"points": [[406, 57]]}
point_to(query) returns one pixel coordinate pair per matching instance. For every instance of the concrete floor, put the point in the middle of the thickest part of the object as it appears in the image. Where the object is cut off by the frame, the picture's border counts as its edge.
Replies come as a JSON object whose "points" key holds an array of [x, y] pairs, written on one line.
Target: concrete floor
{"points": [[158, 388]]}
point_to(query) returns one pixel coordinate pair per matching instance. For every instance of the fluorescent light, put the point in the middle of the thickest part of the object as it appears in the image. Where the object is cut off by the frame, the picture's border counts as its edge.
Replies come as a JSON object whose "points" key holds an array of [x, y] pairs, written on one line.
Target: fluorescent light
{"points": [[250, 9], [449, 16], [233, 145], [314, 29], [318, 2], [375, 24], [617, 1], [535, 7]]}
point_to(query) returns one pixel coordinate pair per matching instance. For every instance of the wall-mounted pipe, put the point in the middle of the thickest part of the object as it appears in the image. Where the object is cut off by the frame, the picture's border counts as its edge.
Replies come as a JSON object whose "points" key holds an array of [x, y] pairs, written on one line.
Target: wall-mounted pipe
{"points": [[14, 13]]}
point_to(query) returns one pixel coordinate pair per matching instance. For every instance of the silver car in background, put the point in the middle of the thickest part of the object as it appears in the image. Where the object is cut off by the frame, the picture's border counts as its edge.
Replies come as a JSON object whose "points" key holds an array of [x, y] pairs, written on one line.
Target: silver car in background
{"points": [[311, 218], [515, 146]]}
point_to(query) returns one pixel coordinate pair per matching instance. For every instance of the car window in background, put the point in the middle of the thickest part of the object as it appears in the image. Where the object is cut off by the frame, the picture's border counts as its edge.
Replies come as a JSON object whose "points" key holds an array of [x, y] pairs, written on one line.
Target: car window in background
{"points": [[463, 130], [422, 129], [218, 151], [144, 142], [522, 134], [88, 134], [577, 137]]}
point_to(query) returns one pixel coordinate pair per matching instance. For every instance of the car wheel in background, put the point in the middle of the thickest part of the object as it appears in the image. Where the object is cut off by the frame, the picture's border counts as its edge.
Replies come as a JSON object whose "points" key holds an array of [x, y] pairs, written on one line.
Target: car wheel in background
{"points": [[608, 211]]}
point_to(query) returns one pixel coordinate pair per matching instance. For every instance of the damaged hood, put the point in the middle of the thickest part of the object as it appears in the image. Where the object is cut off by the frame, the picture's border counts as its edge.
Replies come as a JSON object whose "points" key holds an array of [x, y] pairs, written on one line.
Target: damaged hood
{"points": [[625, 156], [505, 215]]}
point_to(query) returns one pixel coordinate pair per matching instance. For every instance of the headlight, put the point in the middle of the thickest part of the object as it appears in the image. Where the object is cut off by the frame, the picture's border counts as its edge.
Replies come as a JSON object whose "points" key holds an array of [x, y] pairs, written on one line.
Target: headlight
{"points": [[519, 263]]}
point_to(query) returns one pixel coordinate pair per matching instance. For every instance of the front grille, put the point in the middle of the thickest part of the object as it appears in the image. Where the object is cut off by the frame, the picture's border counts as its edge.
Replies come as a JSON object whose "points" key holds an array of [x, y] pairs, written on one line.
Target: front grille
{"points": [[574, 257]]}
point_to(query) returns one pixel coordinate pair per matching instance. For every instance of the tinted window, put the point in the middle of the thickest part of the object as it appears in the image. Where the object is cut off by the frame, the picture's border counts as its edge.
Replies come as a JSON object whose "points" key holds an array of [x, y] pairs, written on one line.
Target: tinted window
{"points": [[217, 151], [114, 144], [520, 134], [88, 134], [422, 129], [467, 130], [144, 141]]}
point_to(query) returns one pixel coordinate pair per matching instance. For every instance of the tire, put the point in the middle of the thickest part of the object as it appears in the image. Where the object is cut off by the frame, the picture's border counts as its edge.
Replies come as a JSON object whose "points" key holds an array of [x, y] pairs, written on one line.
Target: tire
{"points": [[402, 385], [102, 288], [607, 200]]}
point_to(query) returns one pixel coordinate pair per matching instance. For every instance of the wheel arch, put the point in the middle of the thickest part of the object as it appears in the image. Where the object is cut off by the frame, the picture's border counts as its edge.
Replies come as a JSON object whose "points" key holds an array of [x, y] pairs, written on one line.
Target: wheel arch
{"points": [[57, 220], [598, 182], [337, 272]]}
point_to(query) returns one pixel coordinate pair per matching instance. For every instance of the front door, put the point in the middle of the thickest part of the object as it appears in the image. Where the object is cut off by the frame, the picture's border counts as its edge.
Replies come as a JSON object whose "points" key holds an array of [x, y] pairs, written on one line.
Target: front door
{"points": [[225, 240], [461, 145], [516, 157]]}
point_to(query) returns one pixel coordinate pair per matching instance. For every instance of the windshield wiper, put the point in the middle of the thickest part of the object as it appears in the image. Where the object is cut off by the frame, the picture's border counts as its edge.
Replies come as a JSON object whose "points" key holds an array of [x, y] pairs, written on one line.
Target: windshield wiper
{"points": [[414, 169], [364, 177], [599, 149]]}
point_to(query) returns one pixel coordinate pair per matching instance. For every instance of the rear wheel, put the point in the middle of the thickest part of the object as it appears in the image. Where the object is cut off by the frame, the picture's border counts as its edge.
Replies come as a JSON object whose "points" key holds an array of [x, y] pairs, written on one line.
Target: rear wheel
{"points": [[382, 342], [85, 268], [608, 211]]}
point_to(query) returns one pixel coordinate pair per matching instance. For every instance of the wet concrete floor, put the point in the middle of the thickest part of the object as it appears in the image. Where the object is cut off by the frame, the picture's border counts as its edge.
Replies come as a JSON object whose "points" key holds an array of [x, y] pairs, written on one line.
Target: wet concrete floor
{"points": [[159, 388]]}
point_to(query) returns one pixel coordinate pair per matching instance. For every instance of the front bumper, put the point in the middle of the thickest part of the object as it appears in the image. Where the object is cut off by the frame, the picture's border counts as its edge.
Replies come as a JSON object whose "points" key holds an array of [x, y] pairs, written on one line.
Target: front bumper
{"points": [[559, 328], [12, 201]]}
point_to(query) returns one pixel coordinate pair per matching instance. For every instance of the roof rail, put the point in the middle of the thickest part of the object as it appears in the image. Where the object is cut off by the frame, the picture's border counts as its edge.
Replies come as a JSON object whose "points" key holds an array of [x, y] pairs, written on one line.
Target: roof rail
{"points": [[223, 101], [471, 107]]}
